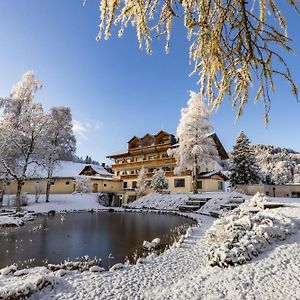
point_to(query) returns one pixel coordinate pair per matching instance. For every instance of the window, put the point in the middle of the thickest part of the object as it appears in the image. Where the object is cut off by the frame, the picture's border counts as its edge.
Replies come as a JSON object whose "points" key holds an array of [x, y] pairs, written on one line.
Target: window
{"points": [[67, 182], [125, 184], [220, 185], [179, 182], [166, 169], [150, 170], [164, 155], [148, 182], [134, 184], [199, 185], [139, 158], [132, 172], [104, 184], [152, 157]]}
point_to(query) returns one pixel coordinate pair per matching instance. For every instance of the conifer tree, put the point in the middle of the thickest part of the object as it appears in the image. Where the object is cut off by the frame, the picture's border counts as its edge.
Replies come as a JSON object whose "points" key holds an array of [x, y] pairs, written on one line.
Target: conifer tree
{"points": [[159, 181], [196, 148], [244, 169], [141, 183]]}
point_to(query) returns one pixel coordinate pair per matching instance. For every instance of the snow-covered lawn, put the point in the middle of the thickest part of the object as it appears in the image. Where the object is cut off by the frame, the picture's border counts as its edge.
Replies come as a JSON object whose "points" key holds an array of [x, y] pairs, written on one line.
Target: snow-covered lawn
{"points": [[159, 201], [183, 272], [60, 202]]}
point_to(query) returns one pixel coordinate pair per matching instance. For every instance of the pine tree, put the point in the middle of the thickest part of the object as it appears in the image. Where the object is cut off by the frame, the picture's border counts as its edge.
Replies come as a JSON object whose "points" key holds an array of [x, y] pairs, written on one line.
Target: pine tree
{"points": [[196, 148], [159, 181], [141, 183], [244, 169]]}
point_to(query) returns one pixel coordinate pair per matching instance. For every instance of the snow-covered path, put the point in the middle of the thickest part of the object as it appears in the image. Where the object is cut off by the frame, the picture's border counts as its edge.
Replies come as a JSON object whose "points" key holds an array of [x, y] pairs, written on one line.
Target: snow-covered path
{"points": [[183, 273], [136, 281]]}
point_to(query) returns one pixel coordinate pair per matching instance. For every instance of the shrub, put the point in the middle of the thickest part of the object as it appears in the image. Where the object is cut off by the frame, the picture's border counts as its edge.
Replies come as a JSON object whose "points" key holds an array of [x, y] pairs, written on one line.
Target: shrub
{"points": [[104, 199], [240, 235]]}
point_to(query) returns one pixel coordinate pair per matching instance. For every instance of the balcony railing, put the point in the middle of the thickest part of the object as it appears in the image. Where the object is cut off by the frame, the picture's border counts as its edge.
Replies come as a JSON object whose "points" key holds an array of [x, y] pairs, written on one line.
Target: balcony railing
{"points": [[158, 162], [150, 175]]}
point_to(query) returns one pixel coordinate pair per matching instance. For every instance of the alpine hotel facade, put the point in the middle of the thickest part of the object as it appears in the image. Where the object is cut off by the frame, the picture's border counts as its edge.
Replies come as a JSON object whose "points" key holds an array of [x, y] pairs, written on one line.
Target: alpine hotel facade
{"points": [[150, 153]]}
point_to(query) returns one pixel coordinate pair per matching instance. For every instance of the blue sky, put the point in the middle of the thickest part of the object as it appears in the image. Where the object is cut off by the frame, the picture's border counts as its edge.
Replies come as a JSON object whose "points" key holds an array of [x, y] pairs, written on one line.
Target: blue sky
{"points": [[114, 89]]}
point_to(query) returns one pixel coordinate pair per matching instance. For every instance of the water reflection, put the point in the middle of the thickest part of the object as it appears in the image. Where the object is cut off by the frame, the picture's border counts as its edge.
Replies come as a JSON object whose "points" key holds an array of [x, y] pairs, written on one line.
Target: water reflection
{"points": [[53, 238]]}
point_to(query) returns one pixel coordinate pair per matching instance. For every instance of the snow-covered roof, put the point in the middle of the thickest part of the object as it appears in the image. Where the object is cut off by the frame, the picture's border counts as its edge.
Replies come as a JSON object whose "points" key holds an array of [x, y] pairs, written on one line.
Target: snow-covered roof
{"points": [[212, 173], [66, 169]]}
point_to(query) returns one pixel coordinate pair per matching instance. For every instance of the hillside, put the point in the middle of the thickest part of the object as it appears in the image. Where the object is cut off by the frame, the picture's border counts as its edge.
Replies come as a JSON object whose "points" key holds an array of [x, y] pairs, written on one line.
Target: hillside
{"points": [[278, 165]]}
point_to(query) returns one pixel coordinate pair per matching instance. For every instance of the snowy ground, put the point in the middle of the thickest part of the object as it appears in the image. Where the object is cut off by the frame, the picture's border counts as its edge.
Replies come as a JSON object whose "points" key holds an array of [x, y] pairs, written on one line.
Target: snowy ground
{"points": [[158, 201], [183, 273], [61, 202]]}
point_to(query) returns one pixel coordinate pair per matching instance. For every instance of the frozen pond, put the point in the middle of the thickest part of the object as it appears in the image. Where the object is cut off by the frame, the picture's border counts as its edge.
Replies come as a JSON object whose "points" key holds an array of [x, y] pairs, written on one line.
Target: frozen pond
{"points": [[52, 239]]}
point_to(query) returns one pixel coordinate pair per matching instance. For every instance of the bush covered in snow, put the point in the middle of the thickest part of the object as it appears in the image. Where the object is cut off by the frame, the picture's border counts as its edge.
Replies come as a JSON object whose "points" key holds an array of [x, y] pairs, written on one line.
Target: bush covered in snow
{"points": [[240, 235], [159, 181], [84, 264], [83, 185], [104, 199], [34, 280]]}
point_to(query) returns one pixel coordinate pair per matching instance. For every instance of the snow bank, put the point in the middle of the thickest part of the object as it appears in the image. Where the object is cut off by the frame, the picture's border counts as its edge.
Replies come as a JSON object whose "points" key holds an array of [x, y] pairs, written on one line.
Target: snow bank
{"points": [[240, 235], [10, 221], [160, 201], [218, 199], [21, 287]]}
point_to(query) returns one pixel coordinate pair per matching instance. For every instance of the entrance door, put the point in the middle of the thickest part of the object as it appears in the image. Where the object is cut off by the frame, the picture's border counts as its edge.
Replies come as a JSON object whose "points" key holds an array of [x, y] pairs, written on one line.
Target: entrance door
{"points": [[95, 187]]}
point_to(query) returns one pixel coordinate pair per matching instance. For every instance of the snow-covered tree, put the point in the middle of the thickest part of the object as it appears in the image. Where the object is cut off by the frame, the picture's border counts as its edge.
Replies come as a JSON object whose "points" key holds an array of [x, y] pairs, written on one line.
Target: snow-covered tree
{"points": [[60, 142], [159, 181], [278, 165], [244, 169], [83, 185], [296, 178], [23, 127], [232, 42], [196, 148], [38, 188], [141, 183]]}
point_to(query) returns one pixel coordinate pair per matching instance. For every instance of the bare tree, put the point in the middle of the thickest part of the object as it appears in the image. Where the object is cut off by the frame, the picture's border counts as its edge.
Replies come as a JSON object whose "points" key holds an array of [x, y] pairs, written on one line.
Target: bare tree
{"points": [[60, 142], [22, 129], [234, 44]]}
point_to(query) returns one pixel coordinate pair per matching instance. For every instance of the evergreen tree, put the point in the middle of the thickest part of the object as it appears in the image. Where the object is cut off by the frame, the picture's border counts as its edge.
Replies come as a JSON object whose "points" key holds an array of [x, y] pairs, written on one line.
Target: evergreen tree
{"points": [[159, 181], [141, 183], [244, 169]]}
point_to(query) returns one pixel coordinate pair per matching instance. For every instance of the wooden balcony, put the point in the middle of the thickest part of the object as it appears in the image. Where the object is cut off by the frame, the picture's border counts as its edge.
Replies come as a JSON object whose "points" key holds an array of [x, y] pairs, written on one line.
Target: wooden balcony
{"points": [[150, 149], [158, 162], [150, 175]]}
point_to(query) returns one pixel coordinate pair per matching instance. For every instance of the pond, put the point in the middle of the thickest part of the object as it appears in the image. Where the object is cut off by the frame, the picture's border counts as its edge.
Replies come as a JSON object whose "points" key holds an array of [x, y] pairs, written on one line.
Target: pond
{"points": [[106, 235]]}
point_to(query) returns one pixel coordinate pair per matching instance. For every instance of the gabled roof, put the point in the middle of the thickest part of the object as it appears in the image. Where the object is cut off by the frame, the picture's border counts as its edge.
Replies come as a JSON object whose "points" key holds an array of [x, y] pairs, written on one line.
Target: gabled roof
{"points": [[164, 132], [222, 152], [134, 138], [148, 134], [66, 169], [211, 174]]}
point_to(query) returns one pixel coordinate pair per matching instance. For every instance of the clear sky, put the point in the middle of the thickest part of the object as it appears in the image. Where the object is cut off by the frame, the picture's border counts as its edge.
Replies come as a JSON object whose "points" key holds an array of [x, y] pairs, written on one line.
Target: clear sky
{"points": [[114, 89]]}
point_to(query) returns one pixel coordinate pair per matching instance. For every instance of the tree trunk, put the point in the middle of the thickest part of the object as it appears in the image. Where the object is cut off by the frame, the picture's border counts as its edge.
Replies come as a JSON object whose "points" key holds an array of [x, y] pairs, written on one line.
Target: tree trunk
{"points": [[48, 186], [195, 176], [1, 196], [18, 195]]}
